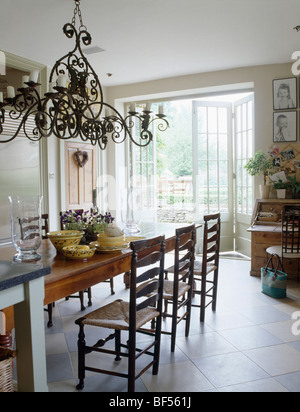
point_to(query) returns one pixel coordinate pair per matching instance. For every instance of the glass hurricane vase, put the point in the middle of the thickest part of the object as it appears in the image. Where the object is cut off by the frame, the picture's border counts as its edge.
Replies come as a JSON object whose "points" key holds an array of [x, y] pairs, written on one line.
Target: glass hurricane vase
{"points": [[131, 211], [26, 226]]}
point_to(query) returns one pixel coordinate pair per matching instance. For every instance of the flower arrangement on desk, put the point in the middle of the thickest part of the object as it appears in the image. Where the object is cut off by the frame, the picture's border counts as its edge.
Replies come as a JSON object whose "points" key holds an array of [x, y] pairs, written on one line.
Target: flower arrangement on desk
{"points": [[91, 222]]}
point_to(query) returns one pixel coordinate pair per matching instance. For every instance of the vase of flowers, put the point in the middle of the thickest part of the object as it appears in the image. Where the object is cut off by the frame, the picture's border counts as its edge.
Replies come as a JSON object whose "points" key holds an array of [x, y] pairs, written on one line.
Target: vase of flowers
{"points": [[72, 220], [91, 222]]}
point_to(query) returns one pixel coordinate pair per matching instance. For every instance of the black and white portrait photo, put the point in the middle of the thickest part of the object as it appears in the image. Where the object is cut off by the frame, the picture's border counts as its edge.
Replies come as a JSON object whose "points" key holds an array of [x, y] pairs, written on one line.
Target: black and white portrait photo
{"points": [[285, 93], [285, 126]]}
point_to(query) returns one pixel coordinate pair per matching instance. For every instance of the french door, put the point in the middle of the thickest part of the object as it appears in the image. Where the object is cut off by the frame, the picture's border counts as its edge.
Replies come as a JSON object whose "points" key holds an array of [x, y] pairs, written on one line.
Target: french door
{"points": [[212, 168], [222, 144], [243, 142]]}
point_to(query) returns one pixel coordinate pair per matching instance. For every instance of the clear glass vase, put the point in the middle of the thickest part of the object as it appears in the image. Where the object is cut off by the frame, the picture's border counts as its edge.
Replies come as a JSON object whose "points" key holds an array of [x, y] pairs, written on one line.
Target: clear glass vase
{"points": [[26, 226], [131, 210]]}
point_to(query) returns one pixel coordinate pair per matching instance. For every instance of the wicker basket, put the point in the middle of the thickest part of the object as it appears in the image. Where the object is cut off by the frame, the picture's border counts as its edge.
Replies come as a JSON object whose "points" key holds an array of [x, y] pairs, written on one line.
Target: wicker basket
{"points": [[6, 369]]}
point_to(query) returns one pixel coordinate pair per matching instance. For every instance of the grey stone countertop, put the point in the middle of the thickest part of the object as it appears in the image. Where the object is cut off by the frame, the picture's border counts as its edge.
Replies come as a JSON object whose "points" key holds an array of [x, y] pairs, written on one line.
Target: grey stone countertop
{"points": [[13, 274]]}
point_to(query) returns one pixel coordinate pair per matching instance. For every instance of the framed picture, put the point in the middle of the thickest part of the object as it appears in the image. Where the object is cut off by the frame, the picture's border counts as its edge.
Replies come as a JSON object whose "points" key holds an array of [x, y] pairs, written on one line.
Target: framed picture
{"points": [[285, 127], [285, 94]]}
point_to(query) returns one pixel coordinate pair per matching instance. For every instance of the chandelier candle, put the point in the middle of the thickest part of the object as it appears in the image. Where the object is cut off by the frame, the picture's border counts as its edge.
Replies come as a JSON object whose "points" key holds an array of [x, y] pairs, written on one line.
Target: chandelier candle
{"points": [[34, 75], [10, 92], [25, 80], [74, 106]]}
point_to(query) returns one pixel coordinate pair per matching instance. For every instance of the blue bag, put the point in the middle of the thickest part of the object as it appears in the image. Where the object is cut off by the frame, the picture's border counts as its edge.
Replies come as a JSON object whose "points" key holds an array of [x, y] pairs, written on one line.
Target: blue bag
{"points": [[273, 281]]}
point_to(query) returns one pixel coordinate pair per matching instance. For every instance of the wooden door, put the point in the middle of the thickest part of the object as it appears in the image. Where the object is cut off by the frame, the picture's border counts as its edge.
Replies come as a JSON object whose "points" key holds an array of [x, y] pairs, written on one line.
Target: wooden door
{"points": [[80, 169]]}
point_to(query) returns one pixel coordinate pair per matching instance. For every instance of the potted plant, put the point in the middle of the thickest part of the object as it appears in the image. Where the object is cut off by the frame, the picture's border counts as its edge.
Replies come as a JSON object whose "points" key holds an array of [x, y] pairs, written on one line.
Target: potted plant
{"points": [[91, 222], [280, 188], [95, 223], [259, 164], [72, 220], [295, 186]]}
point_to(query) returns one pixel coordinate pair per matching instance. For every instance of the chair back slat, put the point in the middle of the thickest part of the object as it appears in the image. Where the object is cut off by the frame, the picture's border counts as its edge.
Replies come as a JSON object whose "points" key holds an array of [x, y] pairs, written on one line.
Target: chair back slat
{"points": [[187, 245], [149, 259], [212, 249], [149, 274], [147, 289], [211, 258], [213, 239], [213, 228], [45, 226], [291, 231], [150, 301], [185, 260]]}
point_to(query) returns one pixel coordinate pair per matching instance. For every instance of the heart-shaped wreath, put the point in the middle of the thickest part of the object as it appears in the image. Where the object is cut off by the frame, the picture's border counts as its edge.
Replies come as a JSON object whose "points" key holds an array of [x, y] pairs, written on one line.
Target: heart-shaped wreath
{"points": [[81, 158]]}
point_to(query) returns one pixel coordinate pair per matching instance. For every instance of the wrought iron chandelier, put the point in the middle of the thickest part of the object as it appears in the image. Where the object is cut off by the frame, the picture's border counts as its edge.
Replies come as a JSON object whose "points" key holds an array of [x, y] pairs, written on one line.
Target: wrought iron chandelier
{"points": [[74, 105]]}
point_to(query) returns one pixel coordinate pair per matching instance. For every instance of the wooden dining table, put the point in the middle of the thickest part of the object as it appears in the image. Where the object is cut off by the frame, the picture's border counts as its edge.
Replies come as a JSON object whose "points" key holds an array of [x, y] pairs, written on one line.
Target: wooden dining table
{"points": [[71, 276]]}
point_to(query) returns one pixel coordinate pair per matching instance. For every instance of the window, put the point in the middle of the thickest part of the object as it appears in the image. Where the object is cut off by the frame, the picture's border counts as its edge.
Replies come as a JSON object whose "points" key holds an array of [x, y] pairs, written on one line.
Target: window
{"points": [[143, 168]]}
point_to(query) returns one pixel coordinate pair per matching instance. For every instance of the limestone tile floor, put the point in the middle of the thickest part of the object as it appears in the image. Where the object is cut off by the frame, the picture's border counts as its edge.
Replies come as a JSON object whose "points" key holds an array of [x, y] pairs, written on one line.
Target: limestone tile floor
{"points": [[246, 345]]}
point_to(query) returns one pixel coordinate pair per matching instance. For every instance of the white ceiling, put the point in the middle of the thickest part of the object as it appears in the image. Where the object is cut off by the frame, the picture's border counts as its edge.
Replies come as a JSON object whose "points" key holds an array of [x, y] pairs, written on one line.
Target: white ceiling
{"points": [[152, 39]]}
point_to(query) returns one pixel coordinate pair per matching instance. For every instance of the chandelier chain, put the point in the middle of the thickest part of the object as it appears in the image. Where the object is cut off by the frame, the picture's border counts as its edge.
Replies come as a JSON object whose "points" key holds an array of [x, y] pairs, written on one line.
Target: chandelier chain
{"points": [[77, 11]]}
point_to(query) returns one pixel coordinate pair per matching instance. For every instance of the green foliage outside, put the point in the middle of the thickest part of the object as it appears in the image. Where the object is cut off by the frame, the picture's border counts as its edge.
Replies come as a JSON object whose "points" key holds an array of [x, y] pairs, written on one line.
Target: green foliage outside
{"points": [[174, 147]]}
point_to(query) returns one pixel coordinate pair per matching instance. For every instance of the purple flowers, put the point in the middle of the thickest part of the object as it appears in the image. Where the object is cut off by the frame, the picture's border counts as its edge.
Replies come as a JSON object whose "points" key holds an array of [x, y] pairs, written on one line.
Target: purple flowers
{"points": [[90, 221]]}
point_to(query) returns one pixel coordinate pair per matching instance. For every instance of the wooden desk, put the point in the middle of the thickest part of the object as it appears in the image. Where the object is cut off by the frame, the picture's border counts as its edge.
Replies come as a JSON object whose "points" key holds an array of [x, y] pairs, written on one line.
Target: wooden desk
{"points": [[70, 276], [266, 234]]}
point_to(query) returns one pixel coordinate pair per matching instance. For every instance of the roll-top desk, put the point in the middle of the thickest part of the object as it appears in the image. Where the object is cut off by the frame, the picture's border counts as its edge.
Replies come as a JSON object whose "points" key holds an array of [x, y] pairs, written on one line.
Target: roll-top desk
{"points": [[266, 231]]}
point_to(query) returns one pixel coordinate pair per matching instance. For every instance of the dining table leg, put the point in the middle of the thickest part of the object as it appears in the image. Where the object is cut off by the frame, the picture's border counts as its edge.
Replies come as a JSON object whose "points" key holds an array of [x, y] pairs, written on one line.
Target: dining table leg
{"points": [[127, 279], [30, 339]]}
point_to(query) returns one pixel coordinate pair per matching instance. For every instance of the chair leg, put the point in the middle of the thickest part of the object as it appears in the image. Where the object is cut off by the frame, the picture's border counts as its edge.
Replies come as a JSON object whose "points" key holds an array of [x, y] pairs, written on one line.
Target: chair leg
{"points": [[166, 307], [131, 363], [174, 324], [203, 298], [81, 357], [90, 297], [157, 346], [81, 297], [215, 290], [118, 345], [189, 311], [111, 281], [50, 319]]}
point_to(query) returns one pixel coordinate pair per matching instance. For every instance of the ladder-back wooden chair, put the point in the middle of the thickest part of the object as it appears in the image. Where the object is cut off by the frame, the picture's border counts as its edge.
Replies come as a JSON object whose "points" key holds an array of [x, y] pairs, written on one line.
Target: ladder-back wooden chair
{"points": [[144, 306], [45, 225], [178, 292], [206, 270], [290, 239]]}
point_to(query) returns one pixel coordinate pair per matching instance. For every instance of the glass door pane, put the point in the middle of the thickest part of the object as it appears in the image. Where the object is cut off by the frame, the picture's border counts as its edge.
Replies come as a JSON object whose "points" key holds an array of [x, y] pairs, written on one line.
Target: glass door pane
{"points": [[213, 189]]}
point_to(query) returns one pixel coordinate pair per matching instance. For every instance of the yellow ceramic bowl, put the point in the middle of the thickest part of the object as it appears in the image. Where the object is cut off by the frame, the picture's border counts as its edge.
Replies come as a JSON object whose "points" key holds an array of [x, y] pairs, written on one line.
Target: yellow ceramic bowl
{"points": [[63, 238], [78, 252]]}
